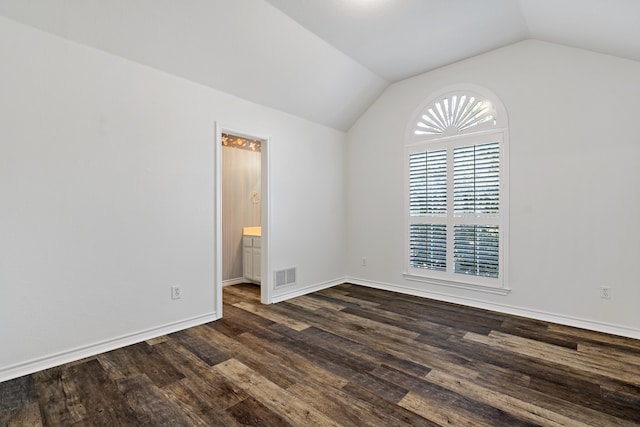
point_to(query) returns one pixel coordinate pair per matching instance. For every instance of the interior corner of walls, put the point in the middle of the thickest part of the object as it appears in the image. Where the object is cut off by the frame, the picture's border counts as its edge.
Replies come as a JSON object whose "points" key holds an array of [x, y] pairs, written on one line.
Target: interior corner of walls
{"points": [[72, 355], [231, 282], [287, 294]]}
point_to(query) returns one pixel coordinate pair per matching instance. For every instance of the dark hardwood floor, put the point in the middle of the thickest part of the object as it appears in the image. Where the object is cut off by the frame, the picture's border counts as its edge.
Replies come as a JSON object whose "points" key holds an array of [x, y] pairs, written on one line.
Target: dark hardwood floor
{"points": [[344, 356]]}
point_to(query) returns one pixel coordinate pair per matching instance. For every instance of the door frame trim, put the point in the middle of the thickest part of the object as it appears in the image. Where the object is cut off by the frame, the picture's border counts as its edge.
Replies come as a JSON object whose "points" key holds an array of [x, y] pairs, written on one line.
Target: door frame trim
{"points": [[266, 296]]}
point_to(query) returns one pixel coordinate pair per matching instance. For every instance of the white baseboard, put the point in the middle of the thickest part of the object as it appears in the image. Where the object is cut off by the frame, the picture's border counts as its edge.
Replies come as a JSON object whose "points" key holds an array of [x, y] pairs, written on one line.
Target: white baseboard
{"points": [[576, 322], [235, 281], [61, 358], [285, 295]]}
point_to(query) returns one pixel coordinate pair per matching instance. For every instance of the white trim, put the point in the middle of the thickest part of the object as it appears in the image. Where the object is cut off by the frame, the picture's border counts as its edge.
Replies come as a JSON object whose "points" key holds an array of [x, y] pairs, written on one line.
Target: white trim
{"points": [[308, 289], [460, 285], [57, 359], [218, 217], [576, 322], [236, 281], [266, 290]]}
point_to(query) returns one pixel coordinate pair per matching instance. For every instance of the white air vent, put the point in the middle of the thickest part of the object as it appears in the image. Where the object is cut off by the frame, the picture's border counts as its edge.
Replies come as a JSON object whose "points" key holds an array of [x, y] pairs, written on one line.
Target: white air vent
{"points": [[284, 277]]}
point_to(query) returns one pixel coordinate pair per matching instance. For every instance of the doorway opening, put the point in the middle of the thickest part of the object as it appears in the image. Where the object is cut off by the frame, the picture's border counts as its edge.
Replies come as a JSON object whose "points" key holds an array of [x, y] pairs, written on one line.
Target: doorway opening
{"points": [[242, 207]]}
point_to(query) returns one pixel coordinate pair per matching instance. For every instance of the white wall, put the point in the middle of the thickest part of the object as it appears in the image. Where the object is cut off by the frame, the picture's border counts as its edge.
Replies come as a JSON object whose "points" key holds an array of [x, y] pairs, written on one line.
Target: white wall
{"points": [[574, 197], [247, 48], [107, 198]]}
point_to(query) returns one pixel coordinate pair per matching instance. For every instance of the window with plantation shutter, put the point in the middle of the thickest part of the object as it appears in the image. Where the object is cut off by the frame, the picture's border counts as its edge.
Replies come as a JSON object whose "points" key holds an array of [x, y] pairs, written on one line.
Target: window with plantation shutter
{"points": [[476, 179], [429, 246], [475, 249], [456, 191], [428, 182]]}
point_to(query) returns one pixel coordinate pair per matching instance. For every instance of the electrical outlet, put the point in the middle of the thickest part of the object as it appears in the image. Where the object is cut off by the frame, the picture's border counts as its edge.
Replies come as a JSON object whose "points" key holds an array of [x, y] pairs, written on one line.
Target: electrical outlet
{"points": [[364, 261], [176, 292], [605, 292]]}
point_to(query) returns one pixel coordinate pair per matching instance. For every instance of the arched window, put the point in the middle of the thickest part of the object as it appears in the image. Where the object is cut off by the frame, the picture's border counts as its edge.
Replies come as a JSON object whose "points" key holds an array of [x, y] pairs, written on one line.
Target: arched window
{"points": [[456, 189]]}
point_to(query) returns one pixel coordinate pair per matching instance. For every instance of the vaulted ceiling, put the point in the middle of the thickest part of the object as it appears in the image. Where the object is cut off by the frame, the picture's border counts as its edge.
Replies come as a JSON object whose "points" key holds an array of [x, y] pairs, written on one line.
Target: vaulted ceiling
{"points": [[324, 60]]}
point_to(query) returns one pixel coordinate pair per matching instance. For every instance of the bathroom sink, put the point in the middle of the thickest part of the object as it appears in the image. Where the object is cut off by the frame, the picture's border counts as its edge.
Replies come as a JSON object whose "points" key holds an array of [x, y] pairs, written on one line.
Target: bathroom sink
{"points": [[252, 231]]}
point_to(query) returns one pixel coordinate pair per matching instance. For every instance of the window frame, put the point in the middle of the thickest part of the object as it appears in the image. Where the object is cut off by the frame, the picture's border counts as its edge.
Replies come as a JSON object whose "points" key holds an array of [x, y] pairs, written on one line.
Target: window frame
{"points": [[498, 132]]}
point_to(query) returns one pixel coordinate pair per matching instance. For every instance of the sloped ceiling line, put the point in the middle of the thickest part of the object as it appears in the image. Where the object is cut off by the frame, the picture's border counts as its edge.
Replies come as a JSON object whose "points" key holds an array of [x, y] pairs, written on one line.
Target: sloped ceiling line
{"points": [[324, 60]]}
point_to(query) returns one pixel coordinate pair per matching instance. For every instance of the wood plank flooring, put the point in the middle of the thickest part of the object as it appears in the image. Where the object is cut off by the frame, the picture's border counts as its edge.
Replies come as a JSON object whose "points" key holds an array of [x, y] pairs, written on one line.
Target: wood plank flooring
{"points": [[345, 356]]}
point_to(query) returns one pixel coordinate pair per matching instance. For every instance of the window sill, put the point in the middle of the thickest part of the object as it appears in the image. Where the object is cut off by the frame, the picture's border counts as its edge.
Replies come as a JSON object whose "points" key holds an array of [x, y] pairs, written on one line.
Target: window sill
{"points": [[459, 285]]}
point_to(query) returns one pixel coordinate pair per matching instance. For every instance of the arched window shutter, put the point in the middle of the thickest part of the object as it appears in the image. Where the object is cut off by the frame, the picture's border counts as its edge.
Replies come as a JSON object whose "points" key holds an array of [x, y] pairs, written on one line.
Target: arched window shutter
{"points": [[456, 189]]}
